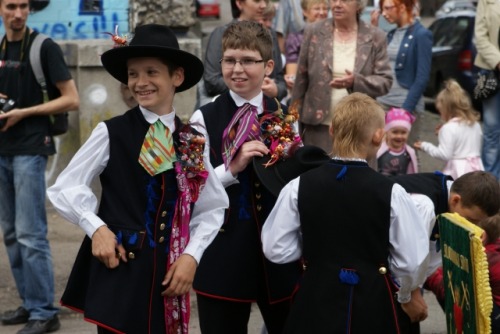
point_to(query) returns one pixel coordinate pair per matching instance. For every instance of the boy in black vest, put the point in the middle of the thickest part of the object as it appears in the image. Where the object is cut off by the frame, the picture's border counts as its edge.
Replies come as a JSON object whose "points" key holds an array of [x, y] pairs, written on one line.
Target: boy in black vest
{"points": [[161, 204], [356, 230], [234, 272]]}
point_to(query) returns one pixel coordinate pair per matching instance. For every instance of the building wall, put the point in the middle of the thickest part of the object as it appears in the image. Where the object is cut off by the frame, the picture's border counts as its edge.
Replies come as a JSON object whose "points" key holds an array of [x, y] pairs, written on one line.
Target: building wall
{"points": [[79, 19]]}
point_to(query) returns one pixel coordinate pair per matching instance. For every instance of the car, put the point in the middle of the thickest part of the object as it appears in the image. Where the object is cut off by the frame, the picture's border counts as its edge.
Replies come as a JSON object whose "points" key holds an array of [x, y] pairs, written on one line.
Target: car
{"points": [[453, 53], [382, 22], [208, 8], [455, 5]]}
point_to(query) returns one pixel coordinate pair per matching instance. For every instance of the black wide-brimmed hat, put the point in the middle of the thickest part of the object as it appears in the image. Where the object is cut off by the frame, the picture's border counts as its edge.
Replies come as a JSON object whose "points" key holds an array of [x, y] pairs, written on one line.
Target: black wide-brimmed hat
{"points": [[276, 176], [153, 40]]}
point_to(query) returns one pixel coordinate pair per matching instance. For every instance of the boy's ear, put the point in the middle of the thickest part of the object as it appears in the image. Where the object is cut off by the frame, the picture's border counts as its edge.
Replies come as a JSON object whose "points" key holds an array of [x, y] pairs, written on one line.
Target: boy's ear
{"points": [[454, 200], [378, 136], [269, 67], [178, 76]]}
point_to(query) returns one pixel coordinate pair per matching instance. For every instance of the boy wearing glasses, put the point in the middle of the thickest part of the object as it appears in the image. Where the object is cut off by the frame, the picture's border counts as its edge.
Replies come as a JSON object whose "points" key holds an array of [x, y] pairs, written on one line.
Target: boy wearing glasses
{"points": [[234, 272]]}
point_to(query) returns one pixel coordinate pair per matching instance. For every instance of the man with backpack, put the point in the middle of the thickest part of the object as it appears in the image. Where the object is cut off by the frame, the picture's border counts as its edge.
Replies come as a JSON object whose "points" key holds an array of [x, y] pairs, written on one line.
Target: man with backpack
{"points": [[26, 141]]}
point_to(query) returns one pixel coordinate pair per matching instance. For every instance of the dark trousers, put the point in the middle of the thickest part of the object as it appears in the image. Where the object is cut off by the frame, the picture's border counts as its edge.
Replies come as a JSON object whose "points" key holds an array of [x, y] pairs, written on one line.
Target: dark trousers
{"points": [[219, 316]]}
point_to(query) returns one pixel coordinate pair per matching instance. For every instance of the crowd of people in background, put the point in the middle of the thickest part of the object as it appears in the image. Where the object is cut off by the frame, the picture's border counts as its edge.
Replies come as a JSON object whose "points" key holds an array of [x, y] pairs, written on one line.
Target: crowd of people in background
{"points": [[300, 107]]}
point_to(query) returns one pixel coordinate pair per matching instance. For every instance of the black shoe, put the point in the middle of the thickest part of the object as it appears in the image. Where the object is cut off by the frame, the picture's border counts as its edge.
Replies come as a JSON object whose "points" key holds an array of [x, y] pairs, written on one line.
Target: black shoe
{"points": [[19, 316], [41, 326]]}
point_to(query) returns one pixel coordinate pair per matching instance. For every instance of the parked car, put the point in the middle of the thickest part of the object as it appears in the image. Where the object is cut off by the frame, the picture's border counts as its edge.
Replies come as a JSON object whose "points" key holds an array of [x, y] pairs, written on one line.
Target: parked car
{"points": [[455, 5], [453, 52], [208, 8]]}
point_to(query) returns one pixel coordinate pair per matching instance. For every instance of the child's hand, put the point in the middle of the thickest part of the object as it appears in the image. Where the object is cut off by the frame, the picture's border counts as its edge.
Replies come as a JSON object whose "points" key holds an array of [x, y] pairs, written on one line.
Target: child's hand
{"points": [[416, 308], [269, 87], [438, 127], [106, 249], [418, 145], [180, 276], [245, 155]]}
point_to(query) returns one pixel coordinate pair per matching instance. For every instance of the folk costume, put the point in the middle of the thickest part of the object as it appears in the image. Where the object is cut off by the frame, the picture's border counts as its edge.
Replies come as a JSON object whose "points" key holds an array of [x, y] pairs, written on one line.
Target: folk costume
{"points": [[340, 276], [158, 209], [234, 268]]}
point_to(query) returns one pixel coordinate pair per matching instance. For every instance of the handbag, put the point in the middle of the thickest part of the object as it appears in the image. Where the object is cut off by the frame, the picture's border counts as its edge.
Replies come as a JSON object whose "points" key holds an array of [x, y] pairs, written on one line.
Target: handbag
{"points": [[487, 84]]}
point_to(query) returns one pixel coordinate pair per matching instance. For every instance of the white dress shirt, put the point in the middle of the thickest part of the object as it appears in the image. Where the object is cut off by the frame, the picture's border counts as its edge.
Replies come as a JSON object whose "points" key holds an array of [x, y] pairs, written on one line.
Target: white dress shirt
{"points": [[74, 199], [408, 236]]}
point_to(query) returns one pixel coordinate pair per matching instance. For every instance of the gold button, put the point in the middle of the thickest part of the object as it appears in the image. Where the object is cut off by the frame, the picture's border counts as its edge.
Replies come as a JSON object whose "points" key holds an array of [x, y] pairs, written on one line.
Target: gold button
{"points": [[256, 184], [131, 255], [164, 213], [382, 270], [436, 236], [259, 207], [222, 230], [161, 240], [162, 226], [258, 195]]}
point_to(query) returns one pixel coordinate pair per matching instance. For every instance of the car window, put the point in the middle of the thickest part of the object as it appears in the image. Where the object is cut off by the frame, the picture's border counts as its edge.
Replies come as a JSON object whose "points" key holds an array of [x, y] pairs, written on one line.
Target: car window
{"points": [[450, 31]]}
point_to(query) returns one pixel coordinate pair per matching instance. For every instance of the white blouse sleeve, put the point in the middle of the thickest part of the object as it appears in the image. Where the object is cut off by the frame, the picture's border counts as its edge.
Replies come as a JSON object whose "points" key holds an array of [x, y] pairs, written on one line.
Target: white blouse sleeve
{"points": [[281, 238], [409, 239], [71, 194]]}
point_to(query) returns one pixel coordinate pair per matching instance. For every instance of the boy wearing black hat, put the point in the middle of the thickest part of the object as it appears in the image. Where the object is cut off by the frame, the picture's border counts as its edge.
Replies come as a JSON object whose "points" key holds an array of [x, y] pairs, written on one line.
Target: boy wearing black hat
{"points": [[243, 124], [350, 226], [161, 204]]}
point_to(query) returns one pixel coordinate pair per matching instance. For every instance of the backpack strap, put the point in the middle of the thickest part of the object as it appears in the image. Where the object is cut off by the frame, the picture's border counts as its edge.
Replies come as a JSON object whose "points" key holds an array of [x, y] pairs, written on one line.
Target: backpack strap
{"points": [[36, 64]]}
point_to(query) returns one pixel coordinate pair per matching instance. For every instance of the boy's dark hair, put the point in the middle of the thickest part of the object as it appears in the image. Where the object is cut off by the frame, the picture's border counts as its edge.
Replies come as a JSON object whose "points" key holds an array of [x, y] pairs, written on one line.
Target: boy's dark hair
{"points": [[248, 35], [491, 226], [479, 189]]}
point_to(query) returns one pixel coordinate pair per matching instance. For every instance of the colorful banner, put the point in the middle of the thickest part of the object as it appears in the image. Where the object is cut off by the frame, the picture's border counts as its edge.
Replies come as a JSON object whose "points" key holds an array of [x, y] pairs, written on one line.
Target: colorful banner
{"points": [[468, 300]]}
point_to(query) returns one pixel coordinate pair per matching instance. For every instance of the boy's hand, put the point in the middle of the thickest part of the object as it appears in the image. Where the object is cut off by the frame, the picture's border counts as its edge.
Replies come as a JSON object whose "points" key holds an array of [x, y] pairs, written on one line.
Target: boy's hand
{"points": [[106, 249], [269, 87], [418, 145], [245, 155], [180, 276], [416, 308]]}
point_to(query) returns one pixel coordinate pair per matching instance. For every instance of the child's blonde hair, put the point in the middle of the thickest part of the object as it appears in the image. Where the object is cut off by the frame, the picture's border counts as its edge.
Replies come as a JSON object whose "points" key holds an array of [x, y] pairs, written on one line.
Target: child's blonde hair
{"points": [[455, 102], [248, 35], [355, 119], [306, 4]]}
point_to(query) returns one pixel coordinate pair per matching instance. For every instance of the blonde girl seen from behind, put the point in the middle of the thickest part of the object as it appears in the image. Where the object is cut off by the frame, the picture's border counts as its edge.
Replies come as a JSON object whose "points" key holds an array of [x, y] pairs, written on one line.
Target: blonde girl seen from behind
{"points": [[460, 136]]}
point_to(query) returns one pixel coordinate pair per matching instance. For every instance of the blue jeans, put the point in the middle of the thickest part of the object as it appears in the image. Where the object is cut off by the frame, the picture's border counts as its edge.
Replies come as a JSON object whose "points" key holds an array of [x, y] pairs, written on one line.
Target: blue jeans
{"points": [[24, 224], [491, 135]]}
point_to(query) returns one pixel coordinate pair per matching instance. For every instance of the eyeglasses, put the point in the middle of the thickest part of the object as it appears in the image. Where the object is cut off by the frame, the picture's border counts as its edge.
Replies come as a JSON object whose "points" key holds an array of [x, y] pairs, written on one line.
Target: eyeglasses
{"points": [[245, 62], [387, 8], [342, 2]]}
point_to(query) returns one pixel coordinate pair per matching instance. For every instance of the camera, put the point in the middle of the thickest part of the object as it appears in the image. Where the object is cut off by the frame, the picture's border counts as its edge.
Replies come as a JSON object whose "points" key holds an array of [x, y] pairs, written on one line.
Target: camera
{"points": [[5, 106]]}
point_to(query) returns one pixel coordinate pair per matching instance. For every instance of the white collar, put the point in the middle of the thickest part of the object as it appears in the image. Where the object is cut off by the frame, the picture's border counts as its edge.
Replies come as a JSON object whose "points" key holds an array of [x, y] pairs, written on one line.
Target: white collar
{"points": [[256, 101], [168, 120]]}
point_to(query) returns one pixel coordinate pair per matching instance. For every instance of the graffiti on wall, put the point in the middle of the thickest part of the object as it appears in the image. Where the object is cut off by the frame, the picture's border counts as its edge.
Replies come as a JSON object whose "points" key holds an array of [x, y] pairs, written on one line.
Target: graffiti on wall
{"points": [[83, 19]]}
